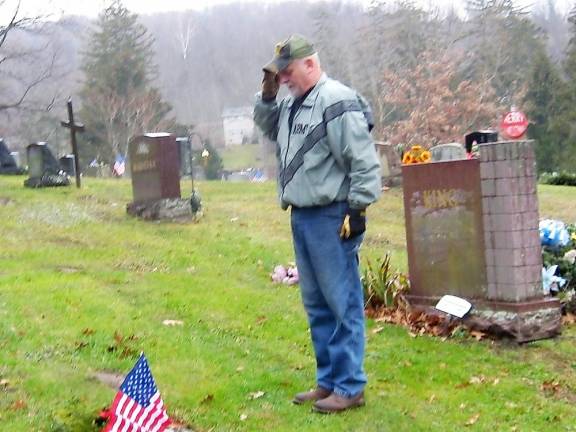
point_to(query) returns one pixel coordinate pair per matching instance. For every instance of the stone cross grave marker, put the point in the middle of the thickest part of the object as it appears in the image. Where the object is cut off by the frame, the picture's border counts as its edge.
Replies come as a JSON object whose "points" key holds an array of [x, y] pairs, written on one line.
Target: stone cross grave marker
{"points": [[74, 127]]}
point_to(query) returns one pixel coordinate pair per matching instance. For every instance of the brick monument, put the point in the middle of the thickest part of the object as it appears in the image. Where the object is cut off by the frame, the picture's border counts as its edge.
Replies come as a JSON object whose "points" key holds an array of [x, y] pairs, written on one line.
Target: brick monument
{"points": [[472, 231]]}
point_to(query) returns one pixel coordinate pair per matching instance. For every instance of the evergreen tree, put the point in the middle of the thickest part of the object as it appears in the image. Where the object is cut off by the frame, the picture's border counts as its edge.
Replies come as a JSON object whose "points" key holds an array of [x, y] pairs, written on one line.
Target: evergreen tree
{"points": [[565, 122], [502, 45], [211, 161], [543, 105], [118, 99]]}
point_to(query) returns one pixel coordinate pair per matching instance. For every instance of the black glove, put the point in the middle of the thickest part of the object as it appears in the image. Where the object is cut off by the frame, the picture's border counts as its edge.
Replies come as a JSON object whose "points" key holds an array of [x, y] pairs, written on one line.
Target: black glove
{"points": [[354, 223], [270, 86]]}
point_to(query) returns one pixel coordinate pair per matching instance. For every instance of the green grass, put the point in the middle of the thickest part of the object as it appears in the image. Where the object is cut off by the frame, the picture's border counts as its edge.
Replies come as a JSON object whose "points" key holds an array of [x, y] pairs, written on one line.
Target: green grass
{"points": [[241, 157], [85, 288]]}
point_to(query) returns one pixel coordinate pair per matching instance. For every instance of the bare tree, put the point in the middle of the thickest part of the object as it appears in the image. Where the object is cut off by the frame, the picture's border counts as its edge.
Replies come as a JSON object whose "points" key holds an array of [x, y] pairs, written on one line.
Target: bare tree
{"points": [[184, 34], [27, 60], [433, 105]]}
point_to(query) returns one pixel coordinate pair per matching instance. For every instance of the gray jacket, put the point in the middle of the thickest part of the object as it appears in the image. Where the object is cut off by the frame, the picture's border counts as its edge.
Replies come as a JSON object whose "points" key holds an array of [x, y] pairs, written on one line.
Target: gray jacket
{"points": [[329, 155]]}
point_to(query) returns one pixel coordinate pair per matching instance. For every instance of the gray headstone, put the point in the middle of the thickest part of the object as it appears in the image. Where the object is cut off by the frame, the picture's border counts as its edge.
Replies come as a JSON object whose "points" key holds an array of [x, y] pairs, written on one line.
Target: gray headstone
{"points": [[446, 152], [43, 168]]}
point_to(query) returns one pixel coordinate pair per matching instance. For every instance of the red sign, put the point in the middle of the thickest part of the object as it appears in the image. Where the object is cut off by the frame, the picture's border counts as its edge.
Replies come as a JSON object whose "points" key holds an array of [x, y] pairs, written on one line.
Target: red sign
{"points": [[514, 124]]}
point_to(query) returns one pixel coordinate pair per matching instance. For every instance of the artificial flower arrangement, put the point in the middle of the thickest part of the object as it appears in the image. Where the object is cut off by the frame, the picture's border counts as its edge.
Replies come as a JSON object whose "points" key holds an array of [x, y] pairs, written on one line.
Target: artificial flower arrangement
{"points": [[286, 275], [417, 154]]}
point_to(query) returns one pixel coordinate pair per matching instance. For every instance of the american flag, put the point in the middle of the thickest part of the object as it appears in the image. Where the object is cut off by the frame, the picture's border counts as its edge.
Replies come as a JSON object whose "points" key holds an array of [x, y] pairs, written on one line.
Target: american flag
{"points": [[119, 167], [138, 406]]}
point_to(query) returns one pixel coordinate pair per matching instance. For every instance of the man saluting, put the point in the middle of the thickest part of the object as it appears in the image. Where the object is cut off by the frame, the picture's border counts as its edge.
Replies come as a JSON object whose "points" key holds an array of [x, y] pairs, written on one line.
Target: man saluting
{"points": [[329, 173]]}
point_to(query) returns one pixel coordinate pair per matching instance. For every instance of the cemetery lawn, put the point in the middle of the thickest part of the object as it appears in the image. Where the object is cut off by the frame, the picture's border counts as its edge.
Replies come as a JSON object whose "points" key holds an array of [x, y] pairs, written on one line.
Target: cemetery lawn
{"points": [[84, 289], [240, 157]]}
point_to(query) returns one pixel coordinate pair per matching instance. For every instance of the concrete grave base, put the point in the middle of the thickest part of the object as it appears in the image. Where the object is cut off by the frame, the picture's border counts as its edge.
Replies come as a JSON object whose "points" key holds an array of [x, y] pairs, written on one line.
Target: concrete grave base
{"points": [[164, 209], [47, 180], [524, 322]]}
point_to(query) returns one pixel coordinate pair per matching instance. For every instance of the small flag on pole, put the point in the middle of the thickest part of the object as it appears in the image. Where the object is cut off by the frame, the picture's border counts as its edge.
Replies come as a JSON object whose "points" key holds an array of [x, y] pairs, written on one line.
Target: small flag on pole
{"points": [[119, 167], [138, 406]]}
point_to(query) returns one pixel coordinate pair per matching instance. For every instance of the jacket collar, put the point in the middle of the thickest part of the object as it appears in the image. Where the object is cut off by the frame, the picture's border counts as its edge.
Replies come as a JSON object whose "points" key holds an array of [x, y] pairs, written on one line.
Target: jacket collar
{"points": [[309, 101]]}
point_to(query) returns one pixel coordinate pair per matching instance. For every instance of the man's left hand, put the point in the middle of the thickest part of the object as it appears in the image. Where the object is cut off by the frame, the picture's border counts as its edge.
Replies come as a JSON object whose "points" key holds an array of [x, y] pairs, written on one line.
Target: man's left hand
{"points": [[354, 223]]}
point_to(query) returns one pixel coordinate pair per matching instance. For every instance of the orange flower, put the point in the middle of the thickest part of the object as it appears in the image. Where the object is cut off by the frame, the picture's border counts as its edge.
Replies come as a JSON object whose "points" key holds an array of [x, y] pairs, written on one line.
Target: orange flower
{"points": [[407, 159], [416, 154]]}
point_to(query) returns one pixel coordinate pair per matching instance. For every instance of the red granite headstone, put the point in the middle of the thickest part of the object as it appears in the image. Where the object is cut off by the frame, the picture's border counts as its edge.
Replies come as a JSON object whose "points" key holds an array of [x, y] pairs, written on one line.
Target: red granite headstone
{"points": [[443, 209], [155, 167]]}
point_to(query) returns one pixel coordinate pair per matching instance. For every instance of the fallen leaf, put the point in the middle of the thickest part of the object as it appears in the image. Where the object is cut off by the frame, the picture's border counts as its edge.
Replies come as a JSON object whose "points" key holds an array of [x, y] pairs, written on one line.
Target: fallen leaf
{"points": [[256, 395], [80, 345], [472, 420], [207, 399], [118, 337], [550, 387], [18, 405], [478, 335], [377, 330], [569, 319], [171, 323]]}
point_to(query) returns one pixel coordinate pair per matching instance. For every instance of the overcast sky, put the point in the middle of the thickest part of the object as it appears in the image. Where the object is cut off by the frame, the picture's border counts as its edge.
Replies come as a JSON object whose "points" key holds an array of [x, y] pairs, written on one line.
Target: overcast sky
{"points": [[91, 8]]}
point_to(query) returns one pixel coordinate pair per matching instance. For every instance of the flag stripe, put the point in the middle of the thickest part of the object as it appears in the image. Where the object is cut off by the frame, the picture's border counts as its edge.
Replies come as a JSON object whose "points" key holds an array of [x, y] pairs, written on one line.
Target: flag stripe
{"points": [[118, 411], [152, 419], [125, 413], [162, 422], [129, 416], [138, 406], [149, 410], [135, 413]]}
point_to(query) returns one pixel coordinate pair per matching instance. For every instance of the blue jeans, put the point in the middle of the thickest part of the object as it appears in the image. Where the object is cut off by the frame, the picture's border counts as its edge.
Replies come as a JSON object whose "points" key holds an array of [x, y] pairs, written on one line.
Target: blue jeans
{"points": [[332, 296]]}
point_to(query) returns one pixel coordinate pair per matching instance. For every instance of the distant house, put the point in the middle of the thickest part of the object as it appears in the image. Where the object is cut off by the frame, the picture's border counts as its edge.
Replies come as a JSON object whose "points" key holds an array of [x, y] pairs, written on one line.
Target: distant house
{"points": [[238, 126]]}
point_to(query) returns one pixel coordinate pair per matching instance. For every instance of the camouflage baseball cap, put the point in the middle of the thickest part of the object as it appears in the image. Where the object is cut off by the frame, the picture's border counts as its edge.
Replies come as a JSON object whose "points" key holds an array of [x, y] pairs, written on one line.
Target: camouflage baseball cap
{"points": [[295, 47]]}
